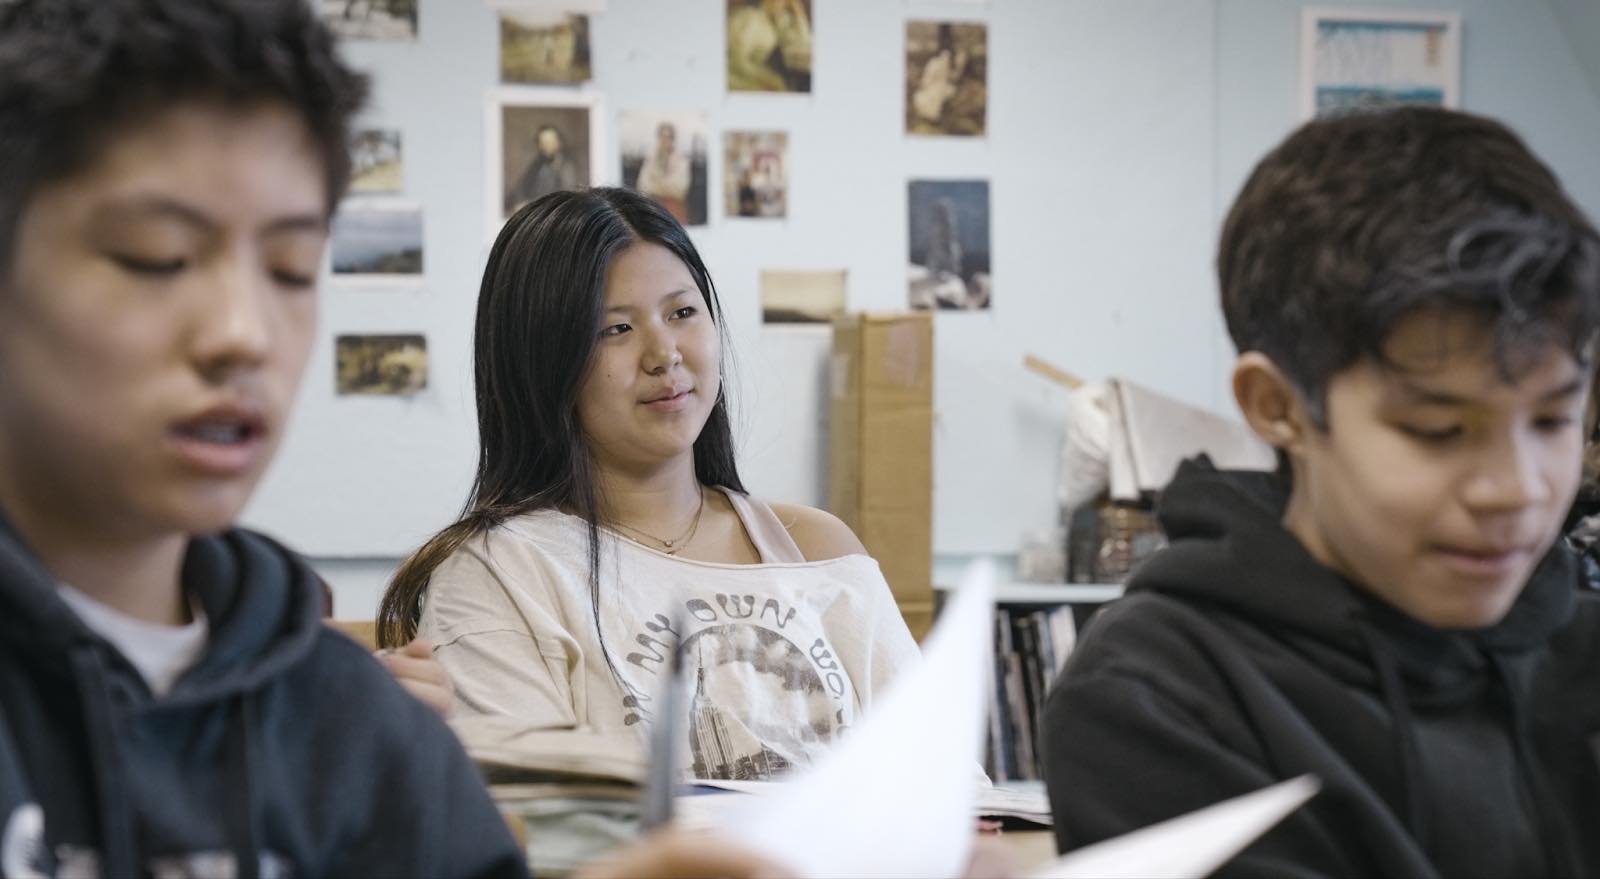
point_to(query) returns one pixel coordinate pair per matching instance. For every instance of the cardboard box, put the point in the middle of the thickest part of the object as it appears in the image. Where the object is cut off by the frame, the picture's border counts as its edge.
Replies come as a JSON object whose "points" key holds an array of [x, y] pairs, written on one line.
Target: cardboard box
{"points": [[880, 444], [918, 617]]}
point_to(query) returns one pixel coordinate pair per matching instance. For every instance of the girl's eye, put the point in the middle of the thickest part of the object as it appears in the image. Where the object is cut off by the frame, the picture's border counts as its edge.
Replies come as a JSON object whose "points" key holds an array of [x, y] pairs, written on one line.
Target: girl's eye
{"points": [[615, 330], [1552, 423], [159, 268], [686, 312]]}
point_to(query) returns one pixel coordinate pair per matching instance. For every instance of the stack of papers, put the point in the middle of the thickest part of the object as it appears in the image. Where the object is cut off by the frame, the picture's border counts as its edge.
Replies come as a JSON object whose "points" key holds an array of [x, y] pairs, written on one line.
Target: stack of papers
{"points": [[508, 750], [704, 809], [566, 825], [1023, 804]]}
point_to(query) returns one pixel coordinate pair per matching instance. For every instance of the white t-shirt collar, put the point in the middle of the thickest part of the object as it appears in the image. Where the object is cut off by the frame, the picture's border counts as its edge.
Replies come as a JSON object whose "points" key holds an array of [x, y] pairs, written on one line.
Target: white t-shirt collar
{"points": [[161, 654]]}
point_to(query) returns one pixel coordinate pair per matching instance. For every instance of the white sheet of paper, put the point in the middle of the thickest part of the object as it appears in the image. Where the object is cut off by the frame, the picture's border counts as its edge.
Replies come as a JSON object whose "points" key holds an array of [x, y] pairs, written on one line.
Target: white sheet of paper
{"points": [[1152, 433], [1191, 845], [895, 798]]}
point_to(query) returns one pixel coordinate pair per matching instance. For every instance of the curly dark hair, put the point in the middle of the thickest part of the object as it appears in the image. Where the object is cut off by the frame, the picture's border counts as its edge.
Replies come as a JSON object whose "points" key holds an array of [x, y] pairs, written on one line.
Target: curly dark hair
{"points": [[75, 72], [1357, 222]]}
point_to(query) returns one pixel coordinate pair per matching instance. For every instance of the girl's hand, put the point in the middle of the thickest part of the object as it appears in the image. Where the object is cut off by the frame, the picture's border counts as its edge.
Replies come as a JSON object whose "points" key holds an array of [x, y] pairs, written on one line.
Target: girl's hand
{"points": [[423, 677]]}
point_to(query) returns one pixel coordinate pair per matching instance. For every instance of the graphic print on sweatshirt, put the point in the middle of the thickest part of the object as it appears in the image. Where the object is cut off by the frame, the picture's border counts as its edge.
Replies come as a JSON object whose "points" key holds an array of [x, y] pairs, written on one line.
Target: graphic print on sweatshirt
{"points": [[22, 843], [23, 856], [769, 691]]}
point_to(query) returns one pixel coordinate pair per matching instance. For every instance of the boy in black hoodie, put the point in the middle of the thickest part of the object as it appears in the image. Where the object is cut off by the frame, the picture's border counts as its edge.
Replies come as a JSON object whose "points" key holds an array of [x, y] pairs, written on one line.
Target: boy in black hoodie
{"points": [[1415, 302], [170, 702]]}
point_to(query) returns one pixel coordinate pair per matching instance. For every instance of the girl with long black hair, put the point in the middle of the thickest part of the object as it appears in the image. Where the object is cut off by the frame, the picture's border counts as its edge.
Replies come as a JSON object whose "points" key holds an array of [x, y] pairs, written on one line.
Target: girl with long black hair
{"points": [[607, 523]]}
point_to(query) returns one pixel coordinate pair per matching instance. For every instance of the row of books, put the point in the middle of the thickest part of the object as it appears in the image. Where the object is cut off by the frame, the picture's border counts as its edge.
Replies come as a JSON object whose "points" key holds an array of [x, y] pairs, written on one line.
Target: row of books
{"points": [[1031, 644]]}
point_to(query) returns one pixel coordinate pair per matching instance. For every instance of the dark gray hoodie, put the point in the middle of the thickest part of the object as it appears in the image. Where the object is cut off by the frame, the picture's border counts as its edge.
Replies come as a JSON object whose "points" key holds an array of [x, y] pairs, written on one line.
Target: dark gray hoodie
{"points": [[285, 751], [1237, 660]]}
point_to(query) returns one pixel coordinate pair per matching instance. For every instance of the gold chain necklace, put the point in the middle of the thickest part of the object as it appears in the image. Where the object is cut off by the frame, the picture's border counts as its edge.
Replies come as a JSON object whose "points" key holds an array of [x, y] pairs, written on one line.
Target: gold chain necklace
{"points": [[675, 544]]}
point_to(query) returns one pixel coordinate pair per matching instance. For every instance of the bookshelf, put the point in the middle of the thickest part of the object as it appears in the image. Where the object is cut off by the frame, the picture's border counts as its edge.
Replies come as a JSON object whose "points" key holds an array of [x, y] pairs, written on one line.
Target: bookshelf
{"points": [[1051, 593], [1035, 628]]}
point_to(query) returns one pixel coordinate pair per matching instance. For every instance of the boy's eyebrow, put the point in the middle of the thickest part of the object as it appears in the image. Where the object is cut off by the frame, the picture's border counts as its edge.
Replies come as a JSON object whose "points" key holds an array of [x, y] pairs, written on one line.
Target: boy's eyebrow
{"points": [[1431, 397], [155, 204], [681, 291], [177, 210], [298, 223], [1569, 389]]}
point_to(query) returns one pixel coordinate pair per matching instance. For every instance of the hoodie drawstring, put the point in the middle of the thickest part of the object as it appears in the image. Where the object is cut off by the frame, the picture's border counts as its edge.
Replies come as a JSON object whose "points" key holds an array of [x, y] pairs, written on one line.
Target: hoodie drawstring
{"points": [[1408, 754], [116, 818], [1561, 859], [242, 816]]}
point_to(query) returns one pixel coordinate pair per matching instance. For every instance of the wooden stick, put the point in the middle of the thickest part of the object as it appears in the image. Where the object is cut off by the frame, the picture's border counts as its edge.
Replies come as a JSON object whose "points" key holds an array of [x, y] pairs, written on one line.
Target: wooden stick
{"points": [[1052, 372]]}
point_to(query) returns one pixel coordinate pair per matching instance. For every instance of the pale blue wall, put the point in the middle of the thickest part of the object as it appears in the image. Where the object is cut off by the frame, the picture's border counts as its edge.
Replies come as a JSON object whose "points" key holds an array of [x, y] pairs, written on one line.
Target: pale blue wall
{"points": [[1119, 131], [1518, 63]]}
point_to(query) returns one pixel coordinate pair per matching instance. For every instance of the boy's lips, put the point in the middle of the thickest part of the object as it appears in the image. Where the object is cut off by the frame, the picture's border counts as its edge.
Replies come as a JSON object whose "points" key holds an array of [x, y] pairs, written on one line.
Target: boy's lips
{"points": [[227, 439], [1481, 562]]}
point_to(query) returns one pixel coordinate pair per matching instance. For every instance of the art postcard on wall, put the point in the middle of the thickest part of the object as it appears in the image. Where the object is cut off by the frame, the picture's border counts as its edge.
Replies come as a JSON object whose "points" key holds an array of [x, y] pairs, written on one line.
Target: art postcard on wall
{"points": [[540, 140], [381, 365], [769, 45], [947, 76], [376, 166], [371, 19], [949, 224], [755, 175], [544, 46], [377, 241], [802, 297], [1367, 59], [664, 157]]}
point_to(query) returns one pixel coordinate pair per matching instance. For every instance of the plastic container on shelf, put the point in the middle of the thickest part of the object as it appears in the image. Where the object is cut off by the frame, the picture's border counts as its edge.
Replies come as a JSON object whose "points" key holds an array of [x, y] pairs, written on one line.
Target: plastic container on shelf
{"points": [[1127, 535]]}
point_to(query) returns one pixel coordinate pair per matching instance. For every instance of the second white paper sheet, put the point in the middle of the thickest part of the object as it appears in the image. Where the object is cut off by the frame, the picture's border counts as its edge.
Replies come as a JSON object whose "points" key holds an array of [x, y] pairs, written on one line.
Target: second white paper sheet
{"points": [[1189, 846]]}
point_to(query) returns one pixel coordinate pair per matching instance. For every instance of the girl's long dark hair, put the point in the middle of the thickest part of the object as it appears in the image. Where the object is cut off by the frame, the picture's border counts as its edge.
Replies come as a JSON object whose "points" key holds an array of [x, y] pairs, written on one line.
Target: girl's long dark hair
{"points": [[539, 311]]}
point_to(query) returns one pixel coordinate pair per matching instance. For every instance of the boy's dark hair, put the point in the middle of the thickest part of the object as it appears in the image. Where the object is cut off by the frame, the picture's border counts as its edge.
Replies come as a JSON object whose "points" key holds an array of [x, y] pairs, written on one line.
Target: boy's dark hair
{"points": [[1357, 222], [74, 72]]}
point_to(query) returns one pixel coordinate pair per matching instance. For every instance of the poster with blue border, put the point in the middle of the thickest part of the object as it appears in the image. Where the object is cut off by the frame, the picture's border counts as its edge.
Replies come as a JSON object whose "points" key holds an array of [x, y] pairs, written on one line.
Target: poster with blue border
{"points": [[1367, 59]]}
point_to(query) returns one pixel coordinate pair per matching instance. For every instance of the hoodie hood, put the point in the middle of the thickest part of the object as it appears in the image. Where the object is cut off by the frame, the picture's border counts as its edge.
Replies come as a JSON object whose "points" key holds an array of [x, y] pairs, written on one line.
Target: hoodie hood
{"points": [[263, 606], [1230, 551], [282, 752], [1238, 659], [1229, 548]]}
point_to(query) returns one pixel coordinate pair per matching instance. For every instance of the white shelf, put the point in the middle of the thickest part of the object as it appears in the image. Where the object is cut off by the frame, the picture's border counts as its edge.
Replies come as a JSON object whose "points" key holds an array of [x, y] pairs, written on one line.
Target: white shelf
{"points": [[1052, 593]]}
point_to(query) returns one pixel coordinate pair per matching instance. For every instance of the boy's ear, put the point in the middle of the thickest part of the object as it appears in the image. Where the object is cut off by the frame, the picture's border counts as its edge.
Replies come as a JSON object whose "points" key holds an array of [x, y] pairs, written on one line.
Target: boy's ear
{"points": [[1271, 404]]}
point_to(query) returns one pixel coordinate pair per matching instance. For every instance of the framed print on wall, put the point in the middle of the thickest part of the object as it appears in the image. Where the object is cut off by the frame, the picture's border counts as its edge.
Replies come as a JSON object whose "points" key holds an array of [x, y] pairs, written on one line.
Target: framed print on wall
{"points": [[539, 140], [1364, 59]]}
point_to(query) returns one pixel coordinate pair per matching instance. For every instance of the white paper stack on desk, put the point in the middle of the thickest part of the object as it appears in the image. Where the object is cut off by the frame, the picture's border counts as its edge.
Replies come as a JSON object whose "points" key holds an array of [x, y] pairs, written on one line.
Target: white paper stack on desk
{"points": [[509, 749], [707, 809], [575, 794]]}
